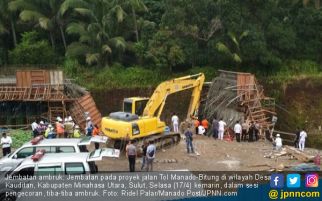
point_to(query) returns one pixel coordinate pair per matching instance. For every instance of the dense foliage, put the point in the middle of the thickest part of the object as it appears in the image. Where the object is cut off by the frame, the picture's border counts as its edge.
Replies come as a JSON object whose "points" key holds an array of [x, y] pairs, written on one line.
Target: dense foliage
{"points": [[263, 36], [19, 137]]}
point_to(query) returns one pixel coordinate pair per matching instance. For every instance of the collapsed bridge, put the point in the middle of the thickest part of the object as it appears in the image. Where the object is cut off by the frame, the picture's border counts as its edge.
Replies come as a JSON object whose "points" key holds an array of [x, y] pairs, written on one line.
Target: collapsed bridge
{"points": [[238, 96], [44, 94]]}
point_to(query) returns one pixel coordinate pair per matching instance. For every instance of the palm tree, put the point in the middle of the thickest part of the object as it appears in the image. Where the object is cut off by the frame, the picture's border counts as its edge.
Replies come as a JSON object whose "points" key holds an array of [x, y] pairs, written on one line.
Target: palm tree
{"points": [[6, 16], [98, 37], [47, 14], [232, 49], [136, 5]]}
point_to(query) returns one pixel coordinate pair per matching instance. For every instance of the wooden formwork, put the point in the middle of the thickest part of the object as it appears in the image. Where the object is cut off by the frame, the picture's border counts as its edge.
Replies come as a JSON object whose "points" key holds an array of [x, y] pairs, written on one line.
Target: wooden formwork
{"points": [[231, 90], [49, 87], [83, 107]]}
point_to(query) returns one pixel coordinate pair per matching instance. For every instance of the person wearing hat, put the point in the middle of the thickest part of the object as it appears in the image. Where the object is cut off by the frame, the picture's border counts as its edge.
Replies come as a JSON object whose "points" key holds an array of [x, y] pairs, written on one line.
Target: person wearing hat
{"points": [[48, 130], [68, 126], [6, 142], [60, 127], [278, 142], [89, 126], [41, 128], [76, 133], [51, 133]]}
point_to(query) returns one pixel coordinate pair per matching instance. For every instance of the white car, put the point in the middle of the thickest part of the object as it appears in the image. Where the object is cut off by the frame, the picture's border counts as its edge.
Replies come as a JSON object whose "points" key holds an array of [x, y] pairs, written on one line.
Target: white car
{"points": [[66, 163], [57, 145]]}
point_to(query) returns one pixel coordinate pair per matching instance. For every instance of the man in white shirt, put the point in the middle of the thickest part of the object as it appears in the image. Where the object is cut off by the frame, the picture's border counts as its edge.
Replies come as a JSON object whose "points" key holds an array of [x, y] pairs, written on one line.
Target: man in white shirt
{"points": [[278, 142], [6, 142], [237, 130], [221, 129], [303, 136], [34, 128], [175, 123], [201, 130]]}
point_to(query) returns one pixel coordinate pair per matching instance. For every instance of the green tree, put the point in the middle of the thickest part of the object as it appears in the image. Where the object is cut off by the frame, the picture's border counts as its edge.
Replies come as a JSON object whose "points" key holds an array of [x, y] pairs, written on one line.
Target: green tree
{"points": [[7, 21], [232, 47], [47, 14], [98, 36], [31, 50], [164, 51], [136, 5]]}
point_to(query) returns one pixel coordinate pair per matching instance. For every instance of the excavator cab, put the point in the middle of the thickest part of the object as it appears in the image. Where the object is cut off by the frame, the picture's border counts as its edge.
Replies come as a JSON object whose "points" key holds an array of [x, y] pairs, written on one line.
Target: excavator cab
{"points": [[135, 105]]}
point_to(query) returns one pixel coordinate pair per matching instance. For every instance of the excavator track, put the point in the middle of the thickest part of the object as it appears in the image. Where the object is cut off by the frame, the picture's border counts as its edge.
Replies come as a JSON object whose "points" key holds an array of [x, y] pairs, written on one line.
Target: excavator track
{"points": [[161, 141]]}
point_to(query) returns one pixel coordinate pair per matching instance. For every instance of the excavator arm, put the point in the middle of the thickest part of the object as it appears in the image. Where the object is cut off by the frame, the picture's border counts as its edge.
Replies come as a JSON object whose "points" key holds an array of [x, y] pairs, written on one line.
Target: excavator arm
{"points": [[156, 103]]}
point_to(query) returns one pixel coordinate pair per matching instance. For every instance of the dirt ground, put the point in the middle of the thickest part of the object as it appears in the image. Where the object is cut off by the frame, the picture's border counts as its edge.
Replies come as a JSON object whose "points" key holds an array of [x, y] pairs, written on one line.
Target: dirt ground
{"points": [[212, 155]]}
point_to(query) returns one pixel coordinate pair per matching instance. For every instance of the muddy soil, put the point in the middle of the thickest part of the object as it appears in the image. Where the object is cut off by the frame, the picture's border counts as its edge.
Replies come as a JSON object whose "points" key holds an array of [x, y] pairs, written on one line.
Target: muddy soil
{"points": [[213, 155]]}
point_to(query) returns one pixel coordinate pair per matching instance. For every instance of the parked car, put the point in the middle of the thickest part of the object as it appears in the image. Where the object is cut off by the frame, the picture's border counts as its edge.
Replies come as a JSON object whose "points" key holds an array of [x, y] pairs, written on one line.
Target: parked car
{"points": [[57, 145], [56, 163]]}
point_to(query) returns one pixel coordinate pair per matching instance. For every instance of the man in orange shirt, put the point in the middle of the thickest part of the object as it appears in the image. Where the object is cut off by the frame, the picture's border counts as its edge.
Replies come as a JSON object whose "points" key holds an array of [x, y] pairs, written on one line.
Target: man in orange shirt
{"points": [[60, 128], [205, 124], [96, 132], [197, 123]]}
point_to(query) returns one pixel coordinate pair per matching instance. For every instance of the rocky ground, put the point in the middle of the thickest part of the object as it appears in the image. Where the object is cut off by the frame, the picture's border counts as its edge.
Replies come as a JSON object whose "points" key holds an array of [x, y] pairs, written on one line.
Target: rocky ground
{"points": [[213, 155]]}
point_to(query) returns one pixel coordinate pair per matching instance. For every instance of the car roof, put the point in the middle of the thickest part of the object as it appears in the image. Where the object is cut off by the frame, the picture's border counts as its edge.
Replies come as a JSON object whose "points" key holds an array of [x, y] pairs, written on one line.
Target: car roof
{"points": [[57, 158], [56, 141]]}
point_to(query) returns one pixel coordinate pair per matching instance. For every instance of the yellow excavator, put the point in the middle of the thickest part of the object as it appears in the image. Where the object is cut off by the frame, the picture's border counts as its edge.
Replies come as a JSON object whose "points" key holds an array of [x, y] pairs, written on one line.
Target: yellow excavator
{"points": [[140, 118]]}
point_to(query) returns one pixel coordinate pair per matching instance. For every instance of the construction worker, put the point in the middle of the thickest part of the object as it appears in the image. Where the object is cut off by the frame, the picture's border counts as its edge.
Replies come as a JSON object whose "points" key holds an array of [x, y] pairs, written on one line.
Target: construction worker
{"points": [[188, 135], [144, 158], [60, 128], [34, 128], [89, 126], [96, 132], [6, 142], [77, 133], [131, 155], [244, 131], [47, 130], [297, 137], [215, 127], [201, 130], [303, 136], [175, 123], [51, 134], [205, 124], [221, 129], [252, 132], [150, 155], [41, 128], [68, 125], [237, 131], [278, 142], [196, 123]]}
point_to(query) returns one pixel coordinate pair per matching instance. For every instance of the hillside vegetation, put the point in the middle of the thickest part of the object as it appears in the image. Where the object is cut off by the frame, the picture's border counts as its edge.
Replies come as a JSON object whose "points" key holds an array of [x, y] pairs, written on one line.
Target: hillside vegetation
{"points": [[123, 42]]}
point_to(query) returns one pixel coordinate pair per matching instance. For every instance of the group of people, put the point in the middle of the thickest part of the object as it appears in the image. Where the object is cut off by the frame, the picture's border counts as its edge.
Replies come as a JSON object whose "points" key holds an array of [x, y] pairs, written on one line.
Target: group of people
{"points": [[148, 155], [299, 141], [63, 129], [201, 127]]}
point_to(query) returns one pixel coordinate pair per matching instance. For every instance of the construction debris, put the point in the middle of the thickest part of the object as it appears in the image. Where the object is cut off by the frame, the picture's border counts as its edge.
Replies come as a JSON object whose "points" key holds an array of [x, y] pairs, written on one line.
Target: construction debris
{"points": [[44, 94], [301, 156], [237, 96]]}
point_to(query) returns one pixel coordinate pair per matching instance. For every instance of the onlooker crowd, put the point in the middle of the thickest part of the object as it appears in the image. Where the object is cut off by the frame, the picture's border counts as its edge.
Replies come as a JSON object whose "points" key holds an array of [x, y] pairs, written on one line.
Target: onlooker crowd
{"points": [[64, 129]]}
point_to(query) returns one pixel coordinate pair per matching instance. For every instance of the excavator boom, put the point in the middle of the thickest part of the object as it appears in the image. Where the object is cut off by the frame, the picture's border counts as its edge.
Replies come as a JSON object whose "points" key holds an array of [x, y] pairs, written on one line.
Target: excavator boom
{"points": [[157, 101]]}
